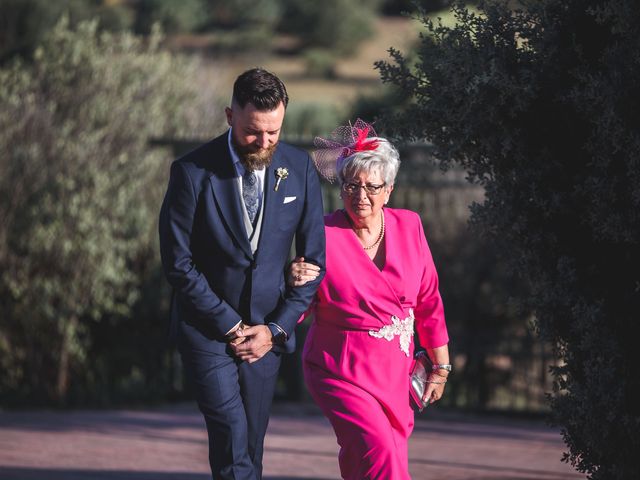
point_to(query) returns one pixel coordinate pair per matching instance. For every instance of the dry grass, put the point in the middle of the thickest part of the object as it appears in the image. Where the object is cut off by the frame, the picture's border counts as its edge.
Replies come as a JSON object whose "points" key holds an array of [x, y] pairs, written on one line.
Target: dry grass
{"points": [[398, 32], [354, 76]]}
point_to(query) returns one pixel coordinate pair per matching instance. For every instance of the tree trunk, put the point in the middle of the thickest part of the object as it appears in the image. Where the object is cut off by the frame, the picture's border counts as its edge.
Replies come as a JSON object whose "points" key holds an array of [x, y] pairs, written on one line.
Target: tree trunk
{"points": [[62, 382]]}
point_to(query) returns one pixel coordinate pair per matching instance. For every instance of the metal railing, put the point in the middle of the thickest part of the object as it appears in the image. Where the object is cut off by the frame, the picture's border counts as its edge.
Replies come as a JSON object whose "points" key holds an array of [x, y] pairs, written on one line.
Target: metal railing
{"points": [[511, 374]]}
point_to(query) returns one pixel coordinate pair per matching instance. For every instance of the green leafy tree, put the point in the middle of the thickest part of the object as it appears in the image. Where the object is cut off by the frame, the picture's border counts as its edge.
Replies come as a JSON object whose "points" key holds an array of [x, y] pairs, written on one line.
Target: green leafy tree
{"points": [[541, 106], [79, 194]]}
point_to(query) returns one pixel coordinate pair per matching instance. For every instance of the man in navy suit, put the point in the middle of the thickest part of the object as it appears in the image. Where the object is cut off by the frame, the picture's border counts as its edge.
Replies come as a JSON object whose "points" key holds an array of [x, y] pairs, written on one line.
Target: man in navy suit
{"points": [[230, 215]]}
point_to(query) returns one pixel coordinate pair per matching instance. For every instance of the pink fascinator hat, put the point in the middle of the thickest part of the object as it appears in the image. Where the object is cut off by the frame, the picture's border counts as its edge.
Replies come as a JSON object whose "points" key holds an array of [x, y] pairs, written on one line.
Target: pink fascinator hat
{"points": [[343, 142]]}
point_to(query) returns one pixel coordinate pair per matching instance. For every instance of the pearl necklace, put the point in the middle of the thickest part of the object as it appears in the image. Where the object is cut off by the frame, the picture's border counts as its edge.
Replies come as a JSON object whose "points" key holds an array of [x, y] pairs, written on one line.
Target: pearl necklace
{"points": [[380, 235]]}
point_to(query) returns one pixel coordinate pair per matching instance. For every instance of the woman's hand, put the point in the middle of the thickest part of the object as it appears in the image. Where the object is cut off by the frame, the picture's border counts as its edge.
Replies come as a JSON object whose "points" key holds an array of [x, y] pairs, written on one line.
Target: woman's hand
{"points": [[434, 388], [437, 379], [301, 272]]}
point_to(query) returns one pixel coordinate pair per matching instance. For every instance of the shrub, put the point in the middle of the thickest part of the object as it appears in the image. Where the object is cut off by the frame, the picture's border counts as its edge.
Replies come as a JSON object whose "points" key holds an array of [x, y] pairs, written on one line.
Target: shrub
{"points": [[241, 13], [79, 194], [540, 105], [25, 23], [183, 16], [337, 25], [320, 63], [304, 120]]}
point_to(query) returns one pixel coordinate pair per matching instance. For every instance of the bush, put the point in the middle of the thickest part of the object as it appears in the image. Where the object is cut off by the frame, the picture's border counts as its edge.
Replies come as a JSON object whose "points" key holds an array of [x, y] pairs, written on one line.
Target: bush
{"points": [[306, 120], [399, 7], [80, 190], [25, 23], [540, 105], [379, 106], [242, 13], [320, 63], [183, 16], [337, 25]]}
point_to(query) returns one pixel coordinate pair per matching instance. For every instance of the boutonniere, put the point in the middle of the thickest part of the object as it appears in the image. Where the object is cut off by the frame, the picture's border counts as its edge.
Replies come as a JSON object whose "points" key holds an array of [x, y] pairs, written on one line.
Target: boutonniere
{"points": [[281, 173]]}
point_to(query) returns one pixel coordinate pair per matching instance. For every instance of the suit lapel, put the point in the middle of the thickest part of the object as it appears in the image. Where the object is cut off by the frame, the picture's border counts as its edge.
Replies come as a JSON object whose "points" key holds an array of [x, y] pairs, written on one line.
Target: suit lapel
{"points": [[272, 198], [223, 185]]}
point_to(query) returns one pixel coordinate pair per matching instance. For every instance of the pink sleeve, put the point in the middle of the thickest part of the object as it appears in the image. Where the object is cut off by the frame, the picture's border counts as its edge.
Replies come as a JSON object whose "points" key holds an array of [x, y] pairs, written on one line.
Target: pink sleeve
{"points": [[429, 311]]}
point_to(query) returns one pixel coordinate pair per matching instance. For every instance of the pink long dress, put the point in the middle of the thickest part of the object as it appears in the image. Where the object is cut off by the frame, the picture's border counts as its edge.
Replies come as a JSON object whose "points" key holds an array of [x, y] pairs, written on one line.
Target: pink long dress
{"points": [[359, 347]]}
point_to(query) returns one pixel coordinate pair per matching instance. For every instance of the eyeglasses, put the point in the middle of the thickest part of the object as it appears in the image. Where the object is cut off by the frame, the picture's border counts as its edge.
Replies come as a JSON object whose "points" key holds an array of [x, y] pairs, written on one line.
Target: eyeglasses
{"points": [[354, 188]]}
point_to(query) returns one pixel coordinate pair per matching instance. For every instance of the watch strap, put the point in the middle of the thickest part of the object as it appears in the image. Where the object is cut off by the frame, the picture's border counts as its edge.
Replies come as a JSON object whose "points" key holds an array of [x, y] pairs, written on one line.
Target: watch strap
{"points": [[441, 366]]}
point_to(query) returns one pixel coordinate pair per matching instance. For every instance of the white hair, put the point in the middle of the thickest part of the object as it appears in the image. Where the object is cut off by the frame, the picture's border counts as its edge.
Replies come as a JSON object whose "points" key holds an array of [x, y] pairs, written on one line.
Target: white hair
{"points": [[384, 159]]}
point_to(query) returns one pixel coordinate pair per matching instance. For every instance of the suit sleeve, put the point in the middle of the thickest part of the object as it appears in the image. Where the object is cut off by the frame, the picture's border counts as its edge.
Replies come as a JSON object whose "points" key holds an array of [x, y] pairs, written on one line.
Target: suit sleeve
{"points": [[176, 224], [310, 244]]}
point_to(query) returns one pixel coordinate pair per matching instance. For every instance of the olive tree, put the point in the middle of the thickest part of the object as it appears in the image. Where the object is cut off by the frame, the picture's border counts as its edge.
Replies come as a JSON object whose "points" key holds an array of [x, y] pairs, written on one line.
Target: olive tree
{"points": [[79, 194]]}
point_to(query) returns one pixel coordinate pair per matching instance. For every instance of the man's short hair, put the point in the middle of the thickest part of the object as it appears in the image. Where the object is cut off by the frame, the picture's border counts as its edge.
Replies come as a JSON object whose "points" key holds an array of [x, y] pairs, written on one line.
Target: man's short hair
{"points": [[262, 89]]}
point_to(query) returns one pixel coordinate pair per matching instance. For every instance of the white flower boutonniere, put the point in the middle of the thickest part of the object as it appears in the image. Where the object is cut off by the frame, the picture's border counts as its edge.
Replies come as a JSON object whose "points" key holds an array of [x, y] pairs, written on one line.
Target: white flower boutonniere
{"points": [[281, 173]]}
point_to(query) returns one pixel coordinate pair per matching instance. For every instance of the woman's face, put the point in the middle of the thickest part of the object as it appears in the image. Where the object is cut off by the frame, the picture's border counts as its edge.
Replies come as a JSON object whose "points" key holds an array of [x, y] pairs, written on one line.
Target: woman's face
{"points": [[364, 203]]}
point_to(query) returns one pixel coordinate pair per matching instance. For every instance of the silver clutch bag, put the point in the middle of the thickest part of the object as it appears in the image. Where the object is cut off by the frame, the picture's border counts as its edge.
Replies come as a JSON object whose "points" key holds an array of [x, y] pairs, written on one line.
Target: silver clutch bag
{"points": [[420, 370]]}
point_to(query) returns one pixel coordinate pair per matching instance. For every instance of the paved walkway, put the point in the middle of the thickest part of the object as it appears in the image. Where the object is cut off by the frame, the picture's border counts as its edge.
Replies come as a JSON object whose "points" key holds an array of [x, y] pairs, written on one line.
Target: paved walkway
{"points": [[170, 444]]}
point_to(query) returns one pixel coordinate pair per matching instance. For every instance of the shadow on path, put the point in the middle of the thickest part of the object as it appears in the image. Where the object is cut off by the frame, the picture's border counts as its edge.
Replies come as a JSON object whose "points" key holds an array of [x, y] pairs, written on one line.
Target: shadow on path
{"points": [[28, 473], [99, 421]]}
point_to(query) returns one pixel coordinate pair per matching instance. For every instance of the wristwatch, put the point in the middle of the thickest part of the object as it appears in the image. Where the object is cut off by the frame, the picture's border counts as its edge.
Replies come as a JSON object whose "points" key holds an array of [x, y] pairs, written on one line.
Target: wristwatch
{"points": [[279, 335]]}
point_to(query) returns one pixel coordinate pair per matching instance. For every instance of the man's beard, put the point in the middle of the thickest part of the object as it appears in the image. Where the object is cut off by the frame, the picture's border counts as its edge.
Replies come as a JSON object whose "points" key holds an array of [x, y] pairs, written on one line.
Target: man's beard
{"points": [[252, 160]]}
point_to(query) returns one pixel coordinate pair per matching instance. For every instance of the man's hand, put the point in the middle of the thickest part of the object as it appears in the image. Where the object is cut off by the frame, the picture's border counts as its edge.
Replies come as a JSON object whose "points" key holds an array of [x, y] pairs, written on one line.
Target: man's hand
{"points": [[256, 341], [236, 336]]}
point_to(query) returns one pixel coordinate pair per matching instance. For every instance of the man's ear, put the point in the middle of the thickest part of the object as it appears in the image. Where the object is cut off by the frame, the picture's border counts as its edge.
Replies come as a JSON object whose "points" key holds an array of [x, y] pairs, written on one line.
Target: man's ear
{"points": [[229, 113]]}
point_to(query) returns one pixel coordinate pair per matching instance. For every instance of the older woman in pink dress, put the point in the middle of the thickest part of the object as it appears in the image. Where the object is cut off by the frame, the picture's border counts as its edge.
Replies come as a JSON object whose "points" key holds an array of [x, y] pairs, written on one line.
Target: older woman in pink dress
{"points": [[380, 286]]}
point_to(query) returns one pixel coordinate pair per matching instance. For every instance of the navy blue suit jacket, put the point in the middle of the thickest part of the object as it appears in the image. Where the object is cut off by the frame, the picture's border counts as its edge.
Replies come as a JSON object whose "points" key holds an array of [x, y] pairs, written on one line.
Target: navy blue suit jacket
{"points": [[205, 250]]}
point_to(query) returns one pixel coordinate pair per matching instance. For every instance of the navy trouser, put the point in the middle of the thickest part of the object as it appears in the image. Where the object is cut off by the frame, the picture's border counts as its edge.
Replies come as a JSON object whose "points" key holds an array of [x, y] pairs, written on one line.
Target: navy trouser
{"points": [[234, 398]]}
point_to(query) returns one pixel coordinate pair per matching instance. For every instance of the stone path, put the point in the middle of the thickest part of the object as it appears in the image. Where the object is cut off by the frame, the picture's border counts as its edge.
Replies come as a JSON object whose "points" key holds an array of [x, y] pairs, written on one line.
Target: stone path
{"points": [[170, 443]]}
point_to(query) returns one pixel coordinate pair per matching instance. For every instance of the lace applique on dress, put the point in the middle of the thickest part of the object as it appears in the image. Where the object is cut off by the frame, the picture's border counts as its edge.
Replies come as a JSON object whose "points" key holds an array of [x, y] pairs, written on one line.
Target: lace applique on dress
{"points": [[402, 328]]}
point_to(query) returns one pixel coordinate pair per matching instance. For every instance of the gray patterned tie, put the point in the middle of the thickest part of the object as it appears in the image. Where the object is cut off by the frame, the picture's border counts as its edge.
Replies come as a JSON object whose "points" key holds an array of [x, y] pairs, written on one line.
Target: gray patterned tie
{"points": [[250, 194]]}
